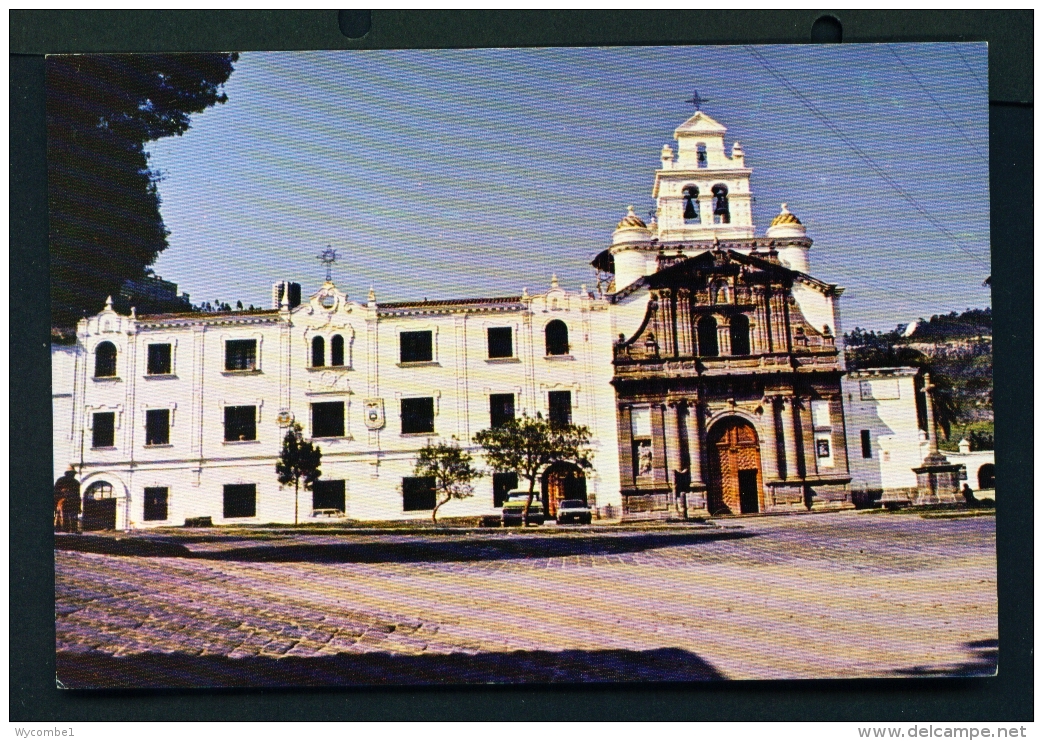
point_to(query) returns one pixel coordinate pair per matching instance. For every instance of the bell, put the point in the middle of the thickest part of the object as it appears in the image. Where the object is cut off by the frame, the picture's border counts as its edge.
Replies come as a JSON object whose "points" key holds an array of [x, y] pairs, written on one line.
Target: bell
{"points": [[689, 210]]}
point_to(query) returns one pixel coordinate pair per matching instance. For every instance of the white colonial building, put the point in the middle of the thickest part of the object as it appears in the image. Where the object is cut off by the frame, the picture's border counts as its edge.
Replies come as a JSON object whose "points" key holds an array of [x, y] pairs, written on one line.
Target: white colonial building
{"points": [[179, 416]]}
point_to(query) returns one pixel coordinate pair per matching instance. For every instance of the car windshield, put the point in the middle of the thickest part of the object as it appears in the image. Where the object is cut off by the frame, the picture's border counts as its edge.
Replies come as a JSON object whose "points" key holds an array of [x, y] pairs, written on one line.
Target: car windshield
{"points": [[573, 503]]}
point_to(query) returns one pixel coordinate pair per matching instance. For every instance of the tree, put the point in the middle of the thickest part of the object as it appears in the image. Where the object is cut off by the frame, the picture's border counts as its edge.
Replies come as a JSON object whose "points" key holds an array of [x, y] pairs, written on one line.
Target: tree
{"points": [[452, 469], [102, 109], [298, 463], [528, 445]]}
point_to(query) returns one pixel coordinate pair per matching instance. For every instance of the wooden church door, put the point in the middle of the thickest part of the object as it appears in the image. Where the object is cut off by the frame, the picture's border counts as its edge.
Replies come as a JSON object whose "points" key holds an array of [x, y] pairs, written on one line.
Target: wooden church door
{"points": [[735, 469]]}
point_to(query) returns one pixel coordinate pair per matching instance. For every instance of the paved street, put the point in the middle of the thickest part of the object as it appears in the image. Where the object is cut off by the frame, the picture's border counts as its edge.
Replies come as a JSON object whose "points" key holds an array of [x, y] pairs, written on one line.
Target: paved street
{"points": [[830, 595]]}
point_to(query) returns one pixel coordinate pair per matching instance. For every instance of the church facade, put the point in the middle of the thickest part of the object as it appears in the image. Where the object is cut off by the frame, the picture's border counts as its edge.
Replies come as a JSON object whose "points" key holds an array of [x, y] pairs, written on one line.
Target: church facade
{"points": [[707, 365]]}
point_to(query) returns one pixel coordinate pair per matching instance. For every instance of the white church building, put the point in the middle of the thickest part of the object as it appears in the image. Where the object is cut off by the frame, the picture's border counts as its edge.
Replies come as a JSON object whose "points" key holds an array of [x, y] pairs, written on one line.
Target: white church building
{"points": [[179, 416]]}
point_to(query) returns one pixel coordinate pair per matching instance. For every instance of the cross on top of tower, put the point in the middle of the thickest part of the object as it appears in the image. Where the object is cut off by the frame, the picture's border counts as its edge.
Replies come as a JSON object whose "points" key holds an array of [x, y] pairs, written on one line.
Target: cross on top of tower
{"points": [[696, 100], [328, 257]]}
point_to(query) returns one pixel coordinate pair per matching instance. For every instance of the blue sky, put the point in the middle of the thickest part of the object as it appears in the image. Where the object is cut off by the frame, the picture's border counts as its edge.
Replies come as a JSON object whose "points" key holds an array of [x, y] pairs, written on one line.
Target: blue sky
{"points": [[458, 173]]}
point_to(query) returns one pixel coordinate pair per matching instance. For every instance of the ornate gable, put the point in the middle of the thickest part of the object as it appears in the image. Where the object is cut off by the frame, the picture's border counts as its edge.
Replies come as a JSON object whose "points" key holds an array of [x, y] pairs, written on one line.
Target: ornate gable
{"points": [[724, 304]]}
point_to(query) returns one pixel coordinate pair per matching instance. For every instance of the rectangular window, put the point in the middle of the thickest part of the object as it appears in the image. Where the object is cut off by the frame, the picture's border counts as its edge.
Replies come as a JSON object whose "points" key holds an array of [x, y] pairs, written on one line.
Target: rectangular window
{"points": [[241, 355], [156, 503], [641, 433], [240, 500], [501, 409], [867, 445], [240, 423], [418, 415], [415, 347], [503, 484], [418, 493], [327, 419], [501, 344], [820, 413], [641, 422], [822, 448], [157, 426], [560, 403], [327, 495], [159, 360], [104, 430]]}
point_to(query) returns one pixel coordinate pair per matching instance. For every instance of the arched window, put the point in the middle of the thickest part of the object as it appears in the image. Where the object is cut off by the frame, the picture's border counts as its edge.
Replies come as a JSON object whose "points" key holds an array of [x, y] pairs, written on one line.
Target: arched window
{"points": [[337, 350], [721, 215], [707, 331], [557, 336], [987, 476], [318, 352], [691, 204], [105, 360], [740, 335], [99, 490], [700, 155]]}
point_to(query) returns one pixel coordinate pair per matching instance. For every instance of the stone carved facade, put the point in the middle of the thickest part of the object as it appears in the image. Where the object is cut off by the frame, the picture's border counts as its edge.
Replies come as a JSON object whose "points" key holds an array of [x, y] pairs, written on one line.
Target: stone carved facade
{"points": [[742, 392]]}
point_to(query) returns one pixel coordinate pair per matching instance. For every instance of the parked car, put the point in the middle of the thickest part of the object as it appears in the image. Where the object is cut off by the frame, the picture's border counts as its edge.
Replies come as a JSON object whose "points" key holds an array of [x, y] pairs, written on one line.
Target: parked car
{"points": [[573, 510], [331, 513], [514, 509]]}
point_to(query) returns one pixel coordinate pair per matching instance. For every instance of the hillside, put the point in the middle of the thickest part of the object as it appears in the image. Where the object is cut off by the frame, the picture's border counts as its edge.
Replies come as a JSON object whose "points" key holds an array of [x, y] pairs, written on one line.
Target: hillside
{"points": [[957, 350]]}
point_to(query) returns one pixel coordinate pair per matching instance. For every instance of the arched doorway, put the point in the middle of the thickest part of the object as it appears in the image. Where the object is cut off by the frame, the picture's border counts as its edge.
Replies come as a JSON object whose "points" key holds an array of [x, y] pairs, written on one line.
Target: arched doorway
{"points": [[562, 481], [735, 483], [99, 507], [987, 476]]}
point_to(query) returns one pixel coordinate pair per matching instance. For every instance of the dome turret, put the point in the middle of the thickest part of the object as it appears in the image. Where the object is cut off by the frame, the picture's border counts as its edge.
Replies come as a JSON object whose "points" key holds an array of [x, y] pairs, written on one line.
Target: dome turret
{"points": [[631, 230], [630, 241], [631, 219], [786, 224]]}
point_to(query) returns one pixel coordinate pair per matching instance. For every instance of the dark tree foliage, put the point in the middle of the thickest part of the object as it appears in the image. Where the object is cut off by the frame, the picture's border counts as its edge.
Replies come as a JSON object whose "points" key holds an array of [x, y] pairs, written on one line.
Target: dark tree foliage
{"points": [[102, 110], [298, 463], [970, 323]]}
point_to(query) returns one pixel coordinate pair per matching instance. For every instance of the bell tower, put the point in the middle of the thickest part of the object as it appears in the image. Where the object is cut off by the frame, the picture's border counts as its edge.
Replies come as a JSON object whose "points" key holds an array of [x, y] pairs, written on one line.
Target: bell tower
{"points": [[702, 192]]}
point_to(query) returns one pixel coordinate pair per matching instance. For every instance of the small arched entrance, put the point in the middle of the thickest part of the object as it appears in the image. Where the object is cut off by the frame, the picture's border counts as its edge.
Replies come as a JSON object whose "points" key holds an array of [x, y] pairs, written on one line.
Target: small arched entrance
{"points": [[99, 507], [736, 481], [562, 481], [987, 476]]}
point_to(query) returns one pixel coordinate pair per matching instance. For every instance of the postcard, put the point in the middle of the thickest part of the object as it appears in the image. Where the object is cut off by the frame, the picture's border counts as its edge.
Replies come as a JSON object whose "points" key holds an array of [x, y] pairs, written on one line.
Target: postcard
{"points": [[547, 365]]}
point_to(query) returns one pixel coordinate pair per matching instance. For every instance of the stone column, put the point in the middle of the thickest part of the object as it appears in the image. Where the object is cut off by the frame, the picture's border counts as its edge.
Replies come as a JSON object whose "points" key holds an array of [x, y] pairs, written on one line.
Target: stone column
{"points": [[673, 438], [658, 443], [673, 452], [789, 437], [807, 430], [769, 315], [771, 441], [668, 342], [693, 421], [684, 323], [780, 327], [724, 337], [626, 447], [758, 337]]}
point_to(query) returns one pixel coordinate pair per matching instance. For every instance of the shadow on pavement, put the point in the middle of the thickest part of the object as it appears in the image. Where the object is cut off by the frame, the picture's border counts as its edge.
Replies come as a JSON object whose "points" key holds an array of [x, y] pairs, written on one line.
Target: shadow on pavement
{"points": [[400, 551], [983, 663], [154, 670]]}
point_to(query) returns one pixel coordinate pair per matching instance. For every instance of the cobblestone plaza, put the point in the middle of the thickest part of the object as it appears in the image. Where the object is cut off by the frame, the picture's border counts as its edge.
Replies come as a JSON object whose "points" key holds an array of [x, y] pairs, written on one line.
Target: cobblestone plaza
{"points": [[829, 595]]}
